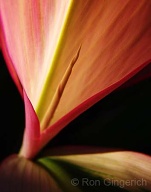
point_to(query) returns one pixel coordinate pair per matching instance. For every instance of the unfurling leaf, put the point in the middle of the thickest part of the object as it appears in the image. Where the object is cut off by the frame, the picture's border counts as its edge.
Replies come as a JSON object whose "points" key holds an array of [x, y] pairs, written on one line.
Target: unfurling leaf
{"points": [[39, 46]]}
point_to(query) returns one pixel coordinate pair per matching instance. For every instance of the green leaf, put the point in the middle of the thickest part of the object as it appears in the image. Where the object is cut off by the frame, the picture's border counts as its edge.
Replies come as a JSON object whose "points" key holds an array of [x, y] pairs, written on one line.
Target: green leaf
{"points": [[112, 171], [60, 173]]}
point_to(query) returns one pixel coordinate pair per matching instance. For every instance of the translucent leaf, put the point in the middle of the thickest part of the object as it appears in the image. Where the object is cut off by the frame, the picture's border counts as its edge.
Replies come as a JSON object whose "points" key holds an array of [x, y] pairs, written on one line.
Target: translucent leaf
{"points": [[29, 40], [41, 39], [22, 175], [115, 40]]}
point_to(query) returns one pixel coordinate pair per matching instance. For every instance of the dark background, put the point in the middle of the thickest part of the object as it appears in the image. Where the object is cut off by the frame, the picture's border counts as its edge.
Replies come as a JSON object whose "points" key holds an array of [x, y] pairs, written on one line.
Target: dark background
{"points": [[120, 120]]}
